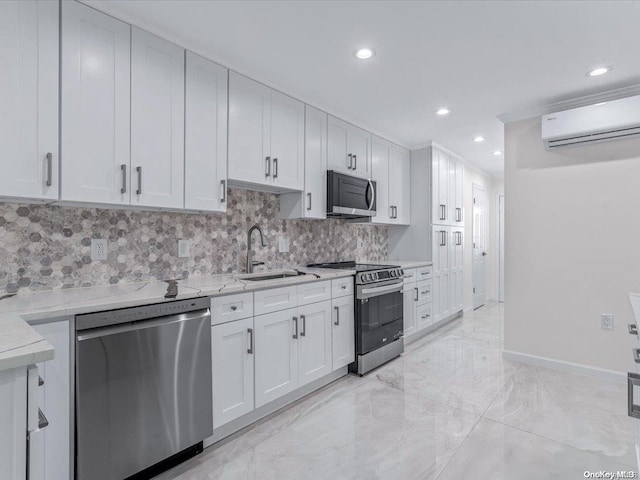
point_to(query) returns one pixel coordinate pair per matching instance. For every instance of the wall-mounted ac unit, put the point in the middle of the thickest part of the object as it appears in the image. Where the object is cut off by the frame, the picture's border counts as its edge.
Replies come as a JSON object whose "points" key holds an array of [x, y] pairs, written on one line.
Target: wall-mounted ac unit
{"points": [[602, 122]]}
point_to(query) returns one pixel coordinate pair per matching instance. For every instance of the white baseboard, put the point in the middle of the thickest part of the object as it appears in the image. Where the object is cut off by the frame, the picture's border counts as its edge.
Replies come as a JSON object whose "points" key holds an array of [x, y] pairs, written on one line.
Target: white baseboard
{"points": [[601, 373]]}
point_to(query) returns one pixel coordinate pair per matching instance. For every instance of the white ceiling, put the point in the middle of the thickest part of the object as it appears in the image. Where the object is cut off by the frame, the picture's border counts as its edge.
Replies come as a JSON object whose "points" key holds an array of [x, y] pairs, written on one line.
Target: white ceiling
{"points": [[479, 58]]}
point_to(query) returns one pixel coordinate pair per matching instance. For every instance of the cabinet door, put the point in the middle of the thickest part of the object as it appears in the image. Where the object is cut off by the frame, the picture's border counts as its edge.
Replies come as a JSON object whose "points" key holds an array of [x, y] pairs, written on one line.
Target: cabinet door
{"points": [[456, 287], [409, 309], [276, 355], [359, 146], [249, 157], [440, 194], [29, 99], [343, 332], [205, 163], [338, 157], [458, 198], [314, 347], [435, 303], [441, 253], [381, 174], [95, 103], [400, 184], [287, 141], [424, 316], [232, 367], [157, 121], [315, 163], [54, 402], [445, 293]]}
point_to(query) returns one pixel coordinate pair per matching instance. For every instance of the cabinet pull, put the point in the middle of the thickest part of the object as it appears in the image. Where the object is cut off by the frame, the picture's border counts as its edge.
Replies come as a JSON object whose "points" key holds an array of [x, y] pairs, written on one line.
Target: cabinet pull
{"points": [[275, 168], [350, 161], [139, 190], [123, 169], [442, 244], [426, 315], [633, 379], [268, 167], [49, 182], [424, 273], [633, 329], [303, 332], [343, 287], [337, 309], [417, 294], [42, 420], [250, 349], [442, 211], [636, 355], [295, 322], [355, 162], [458, 214], [233, 308], [425, 292], [223, 183]]}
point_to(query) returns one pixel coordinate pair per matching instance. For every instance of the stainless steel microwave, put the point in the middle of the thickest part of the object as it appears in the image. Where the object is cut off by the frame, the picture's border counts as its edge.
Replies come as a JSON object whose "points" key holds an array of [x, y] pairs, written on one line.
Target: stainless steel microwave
{"points": [[349, 196]]}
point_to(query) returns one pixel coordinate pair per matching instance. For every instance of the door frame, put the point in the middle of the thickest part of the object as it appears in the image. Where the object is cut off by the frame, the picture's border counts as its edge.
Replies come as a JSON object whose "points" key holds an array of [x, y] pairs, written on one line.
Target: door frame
{"points": [[475, 188], [501, 248]]}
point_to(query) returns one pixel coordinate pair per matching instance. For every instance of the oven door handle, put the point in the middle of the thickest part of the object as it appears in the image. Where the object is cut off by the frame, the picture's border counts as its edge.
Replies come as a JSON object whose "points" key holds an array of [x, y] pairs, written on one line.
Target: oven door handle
{"points": [[370, 292]]}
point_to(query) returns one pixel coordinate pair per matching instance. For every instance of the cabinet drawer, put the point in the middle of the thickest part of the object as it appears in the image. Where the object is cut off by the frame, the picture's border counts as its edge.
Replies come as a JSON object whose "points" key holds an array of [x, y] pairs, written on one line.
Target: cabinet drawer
{"points": [[424, 273], [424, 291], [274, 300], [342, 287], [231, 307], [409, 275], [314, 292], [424, 316]]}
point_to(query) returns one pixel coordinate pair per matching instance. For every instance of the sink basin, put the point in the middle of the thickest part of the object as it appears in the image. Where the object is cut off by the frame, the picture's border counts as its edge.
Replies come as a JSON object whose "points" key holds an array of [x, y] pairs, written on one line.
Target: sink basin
{"points": [[269, 276]]}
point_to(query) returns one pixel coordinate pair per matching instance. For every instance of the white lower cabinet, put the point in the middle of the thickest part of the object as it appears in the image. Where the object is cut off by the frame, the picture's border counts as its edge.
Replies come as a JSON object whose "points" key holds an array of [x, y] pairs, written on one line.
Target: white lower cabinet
{"points": [[410, 295], [423, 316], [343, 331], [419, 300], [314, 342], [276, 357], [232, 368]]}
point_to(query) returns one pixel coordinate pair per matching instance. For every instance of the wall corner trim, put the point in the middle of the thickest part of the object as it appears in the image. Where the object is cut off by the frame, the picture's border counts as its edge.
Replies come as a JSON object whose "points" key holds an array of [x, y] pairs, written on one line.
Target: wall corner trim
{"points": [[580, 369]]}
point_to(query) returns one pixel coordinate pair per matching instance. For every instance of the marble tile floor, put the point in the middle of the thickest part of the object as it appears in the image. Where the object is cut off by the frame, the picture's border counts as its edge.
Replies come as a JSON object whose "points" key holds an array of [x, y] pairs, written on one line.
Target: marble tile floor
{"points": [[451, 408]]}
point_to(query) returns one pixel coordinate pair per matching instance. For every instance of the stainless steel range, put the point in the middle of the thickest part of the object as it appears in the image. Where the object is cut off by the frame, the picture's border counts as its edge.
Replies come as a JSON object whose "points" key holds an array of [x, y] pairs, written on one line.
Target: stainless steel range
{"points": [[378, 313]]}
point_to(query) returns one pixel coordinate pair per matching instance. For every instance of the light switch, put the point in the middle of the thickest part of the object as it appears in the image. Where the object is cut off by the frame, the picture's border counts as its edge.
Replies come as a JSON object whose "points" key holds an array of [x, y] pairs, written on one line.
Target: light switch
{"points": [[184, 247], [283, 244]]}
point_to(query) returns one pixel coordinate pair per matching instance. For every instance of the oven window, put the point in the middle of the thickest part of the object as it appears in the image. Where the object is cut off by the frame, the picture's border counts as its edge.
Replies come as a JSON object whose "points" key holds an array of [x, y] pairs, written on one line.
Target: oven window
{"points": [[380, 321]]}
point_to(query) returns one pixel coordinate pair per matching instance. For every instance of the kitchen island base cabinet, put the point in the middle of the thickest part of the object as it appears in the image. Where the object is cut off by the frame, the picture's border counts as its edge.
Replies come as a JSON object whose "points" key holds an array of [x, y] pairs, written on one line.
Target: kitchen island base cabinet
{"points": [[343, 331], [232, 368]]}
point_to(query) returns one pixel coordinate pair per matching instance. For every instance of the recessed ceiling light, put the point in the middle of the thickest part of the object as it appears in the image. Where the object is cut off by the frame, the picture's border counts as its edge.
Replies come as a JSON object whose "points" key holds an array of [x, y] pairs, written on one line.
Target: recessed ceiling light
{"points": [[478, 139], [598, 71], [443, 111], [497, 153], [364, 53]]}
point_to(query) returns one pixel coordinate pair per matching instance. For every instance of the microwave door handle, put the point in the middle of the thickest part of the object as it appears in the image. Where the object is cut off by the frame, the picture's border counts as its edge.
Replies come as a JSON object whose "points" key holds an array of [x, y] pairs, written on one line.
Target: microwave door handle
{"points": [[373, 195]]}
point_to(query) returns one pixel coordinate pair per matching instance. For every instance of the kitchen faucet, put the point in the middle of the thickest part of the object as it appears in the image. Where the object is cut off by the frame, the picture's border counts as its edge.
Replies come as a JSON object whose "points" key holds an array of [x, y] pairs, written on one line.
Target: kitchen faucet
{"points": [[250, 262]]}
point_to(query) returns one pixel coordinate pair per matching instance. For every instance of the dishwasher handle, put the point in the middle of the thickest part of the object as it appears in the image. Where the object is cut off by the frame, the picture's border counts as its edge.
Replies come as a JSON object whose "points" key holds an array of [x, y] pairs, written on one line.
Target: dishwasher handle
{"points": [[142, 324]]}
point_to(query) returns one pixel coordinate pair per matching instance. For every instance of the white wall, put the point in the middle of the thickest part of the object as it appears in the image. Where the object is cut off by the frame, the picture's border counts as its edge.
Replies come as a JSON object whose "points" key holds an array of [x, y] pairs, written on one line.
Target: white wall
{"points": [[572, 250]]}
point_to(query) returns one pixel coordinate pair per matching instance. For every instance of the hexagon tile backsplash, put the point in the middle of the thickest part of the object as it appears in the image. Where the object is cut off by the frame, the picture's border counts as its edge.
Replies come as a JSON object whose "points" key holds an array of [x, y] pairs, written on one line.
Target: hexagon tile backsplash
{"points": [[45, 247]]}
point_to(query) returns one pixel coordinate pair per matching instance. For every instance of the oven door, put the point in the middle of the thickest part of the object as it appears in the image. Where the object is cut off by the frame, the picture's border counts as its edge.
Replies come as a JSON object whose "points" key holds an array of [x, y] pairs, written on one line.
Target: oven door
{"points": [[350, 197], [379, 319]]}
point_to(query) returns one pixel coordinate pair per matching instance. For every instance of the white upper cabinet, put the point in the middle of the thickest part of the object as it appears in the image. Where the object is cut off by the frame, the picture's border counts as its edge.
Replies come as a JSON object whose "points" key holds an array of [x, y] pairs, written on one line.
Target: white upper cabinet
{"points": [[205, 135], [447, 189], [349, 148], [157, 121], [266, 136], [390, 165], [29, 99], [456, 186], [95, 103], [312, 203]]}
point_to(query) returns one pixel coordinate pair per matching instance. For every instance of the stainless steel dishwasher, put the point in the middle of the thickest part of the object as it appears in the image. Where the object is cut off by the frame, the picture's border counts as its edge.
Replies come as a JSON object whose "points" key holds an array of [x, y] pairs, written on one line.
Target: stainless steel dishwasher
{"points": [[143, 388]]}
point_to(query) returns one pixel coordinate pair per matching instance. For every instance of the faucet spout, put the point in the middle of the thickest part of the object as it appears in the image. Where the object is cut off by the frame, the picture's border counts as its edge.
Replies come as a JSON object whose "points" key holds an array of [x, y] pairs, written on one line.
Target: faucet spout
{"points": [[250, 262]]}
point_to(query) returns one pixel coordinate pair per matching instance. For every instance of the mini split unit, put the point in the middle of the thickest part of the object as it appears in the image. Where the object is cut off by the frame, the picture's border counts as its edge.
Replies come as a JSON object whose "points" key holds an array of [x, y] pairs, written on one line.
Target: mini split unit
{"points": [[602, 122]]}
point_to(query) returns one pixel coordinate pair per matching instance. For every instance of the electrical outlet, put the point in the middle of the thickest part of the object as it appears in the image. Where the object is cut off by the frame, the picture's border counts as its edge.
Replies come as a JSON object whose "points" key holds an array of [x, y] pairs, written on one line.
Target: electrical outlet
{"points": [[359, 243], [283, 244], [98, 249], [606, 321], [184, 248]]}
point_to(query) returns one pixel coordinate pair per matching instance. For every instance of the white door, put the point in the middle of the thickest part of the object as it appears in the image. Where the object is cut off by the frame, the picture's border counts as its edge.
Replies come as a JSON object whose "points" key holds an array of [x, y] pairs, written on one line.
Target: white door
{"points": [[95, 104], [338, 158], [276, 355], [205, 162], [157, 121], [343, 332], [380, 173], [232, 369], [400, 184], [29, 99], [410, 295], [249, 157], [314, 347], [479, 247], [315, 164], [287, 141], [359, 146], [501, 247]]}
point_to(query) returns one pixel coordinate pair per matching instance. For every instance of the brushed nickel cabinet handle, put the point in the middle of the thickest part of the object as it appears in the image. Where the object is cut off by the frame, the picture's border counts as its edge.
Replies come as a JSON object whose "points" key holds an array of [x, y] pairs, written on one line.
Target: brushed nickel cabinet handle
{"points": [[633, 329], [139, 190], [426, 315], [303, 332], [223, 183], [250, 349], [275, 168], [49, 180], [633, 379], [309, 197], [295, 321], [355, 162], [123, 169], [337, 322], [350, 157], [268, 167], [636, 355], [417, 294]]}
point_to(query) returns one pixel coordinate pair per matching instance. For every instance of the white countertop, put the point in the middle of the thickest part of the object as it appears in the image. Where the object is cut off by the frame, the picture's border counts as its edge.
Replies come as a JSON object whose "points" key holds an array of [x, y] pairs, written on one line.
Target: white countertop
{"points": [[22, 345]]}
